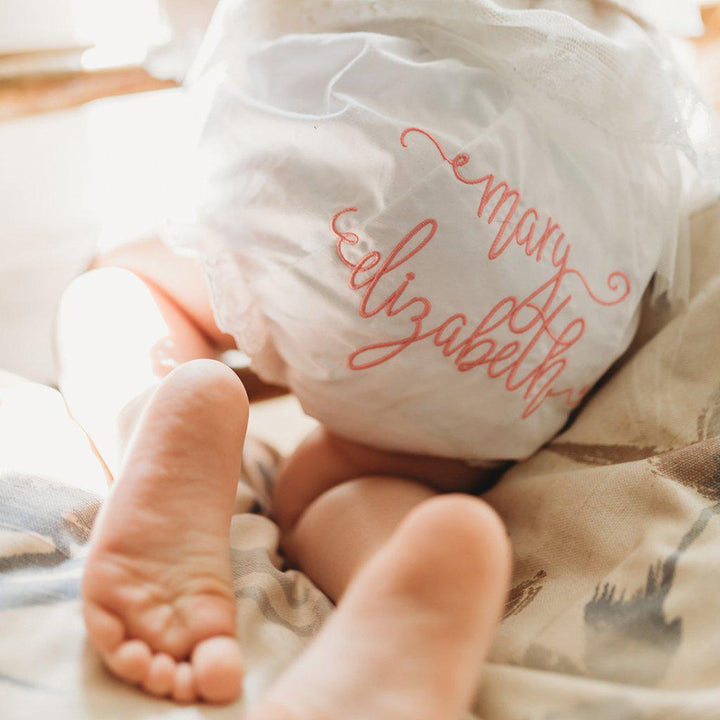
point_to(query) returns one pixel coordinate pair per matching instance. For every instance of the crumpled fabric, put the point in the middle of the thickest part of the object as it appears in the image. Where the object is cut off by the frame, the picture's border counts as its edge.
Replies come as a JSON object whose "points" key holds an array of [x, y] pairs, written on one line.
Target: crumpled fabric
{"points": [[436, 221]]}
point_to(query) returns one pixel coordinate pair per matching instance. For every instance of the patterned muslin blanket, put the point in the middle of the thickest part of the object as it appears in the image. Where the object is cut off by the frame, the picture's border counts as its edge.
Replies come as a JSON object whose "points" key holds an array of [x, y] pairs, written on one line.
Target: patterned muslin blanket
{"points": [[614, 611]]}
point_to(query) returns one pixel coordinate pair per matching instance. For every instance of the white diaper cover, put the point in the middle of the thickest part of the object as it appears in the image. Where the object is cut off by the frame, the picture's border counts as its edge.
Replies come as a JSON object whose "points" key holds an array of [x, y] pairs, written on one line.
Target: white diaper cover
{"points": [[434, 220]]}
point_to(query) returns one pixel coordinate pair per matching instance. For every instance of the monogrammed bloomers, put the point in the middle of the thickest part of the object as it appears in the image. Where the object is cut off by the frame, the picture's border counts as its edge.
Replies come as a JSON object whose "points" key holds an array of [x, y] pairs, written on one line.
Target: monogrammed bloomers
{"points": [[435, 221]]}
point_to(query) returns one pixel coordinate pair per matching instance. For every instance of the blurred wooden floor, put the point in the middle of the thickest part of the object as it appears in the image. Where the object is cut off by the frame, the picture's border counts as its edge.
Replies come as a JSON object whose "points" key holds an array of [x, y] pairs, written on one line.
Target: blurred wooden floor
{"points": [[37, 92]]}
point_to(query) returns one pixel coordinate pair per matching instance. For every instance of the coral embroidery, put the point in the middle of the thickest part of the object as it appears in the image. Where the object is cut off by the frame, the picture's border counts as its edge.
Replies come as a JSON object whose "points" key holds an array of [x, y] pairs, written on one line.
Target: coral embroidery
{"points": [[529, 319], [616, 280]]}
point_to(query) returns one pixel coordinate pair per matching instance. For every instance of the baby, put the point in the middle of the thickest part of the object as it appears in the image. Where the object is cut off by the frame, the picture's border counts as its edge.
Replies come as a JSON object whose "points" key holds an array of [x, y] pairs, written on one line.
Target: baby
{"points": [[434, 222]]}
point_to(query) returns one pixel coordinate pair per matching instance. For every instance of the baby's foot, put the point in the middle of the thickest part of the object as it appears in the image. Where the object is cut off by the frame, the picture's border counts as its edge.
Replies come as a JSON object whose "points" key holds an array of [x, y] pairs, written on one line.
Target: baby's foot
{"points": [[409, 638], [158, 600]]}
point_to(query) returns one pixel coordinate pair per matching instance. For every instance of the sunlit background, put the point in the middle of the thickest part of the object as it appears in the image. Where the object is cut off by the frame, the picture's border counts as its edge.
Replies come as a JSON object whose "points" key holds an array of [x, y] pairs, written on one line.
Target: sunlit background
{"points": [[89, 176], [112, 32]]}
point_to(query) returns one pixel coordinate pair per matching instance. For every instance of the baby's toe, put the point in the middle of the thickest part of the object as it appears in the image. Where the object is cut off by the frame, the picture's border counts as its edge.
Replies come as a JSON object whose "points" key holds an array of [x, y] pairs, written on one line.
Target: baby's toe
{"points": [[160, 679], [184, 685], [218, 668], [105, 630], [131, 661]]}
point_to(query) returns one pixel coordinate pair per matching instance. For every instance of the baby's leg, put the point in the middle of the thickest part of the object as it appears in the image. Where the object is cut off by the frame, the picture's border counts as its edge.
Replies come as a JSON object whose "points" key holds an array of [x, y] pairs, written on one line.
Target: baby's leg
{"points": [[157, 589], [420, 580], [121, 328]]}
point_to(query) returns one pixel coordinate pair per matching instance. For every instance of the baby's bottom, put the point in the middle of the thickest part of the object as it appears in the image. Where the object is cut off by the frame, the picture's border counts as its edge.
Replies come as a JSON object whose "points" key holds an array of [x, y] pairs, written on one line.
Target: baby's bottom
{"points": [[419, 574]]}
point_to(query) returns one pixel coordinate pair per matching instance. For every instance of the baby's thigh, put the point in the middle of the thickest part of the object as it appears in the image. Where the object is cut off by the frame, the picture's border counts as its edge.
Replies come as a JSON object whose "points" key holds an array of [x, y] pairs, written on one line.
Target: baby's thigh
{"points": [[181, 278], [325, 460]]}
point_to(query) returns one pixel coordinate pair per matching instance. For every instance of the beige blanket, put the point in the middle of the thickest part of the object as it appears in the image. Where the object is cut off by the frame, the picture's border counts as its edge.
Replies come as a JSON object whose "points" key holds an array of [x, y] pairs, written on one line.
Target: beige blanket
{"points": [[614, 613]]}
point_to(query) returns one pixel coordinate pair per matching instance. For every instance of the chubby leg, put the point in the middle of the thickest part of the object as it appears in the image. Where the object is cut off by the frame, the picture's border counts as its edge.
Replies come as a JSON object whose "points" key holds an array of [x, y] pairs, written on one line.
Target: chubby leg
{"points": [[157, 597], [157, 589], [124, 326], [420, 579]]}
